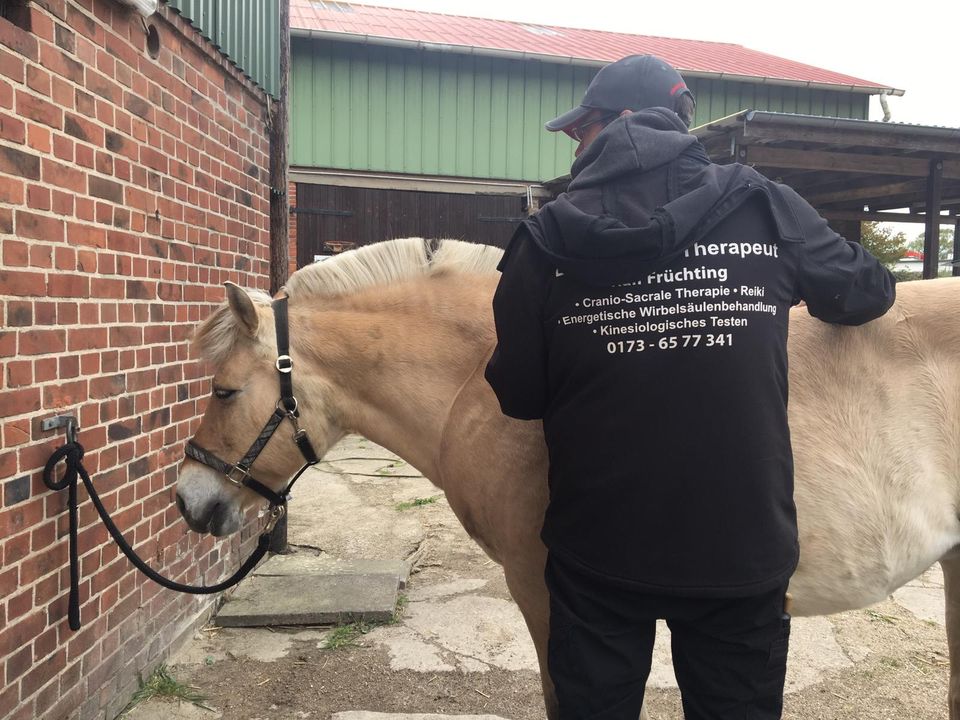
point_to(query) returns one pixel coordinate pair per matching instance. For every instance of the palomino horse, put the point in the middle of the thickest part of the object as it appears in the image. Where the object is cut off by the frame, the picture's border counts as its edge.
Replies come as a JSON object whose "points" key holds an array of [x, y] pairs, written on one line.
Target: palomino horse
{"points": [[390, 341]]}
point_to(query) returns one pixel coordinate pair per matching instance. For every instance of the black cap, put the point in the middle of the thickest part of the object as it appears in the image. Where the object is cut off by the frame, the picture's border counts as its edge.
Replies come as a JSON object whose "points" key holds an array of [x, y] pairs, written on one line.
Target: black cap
{"points": [[635, 82]]}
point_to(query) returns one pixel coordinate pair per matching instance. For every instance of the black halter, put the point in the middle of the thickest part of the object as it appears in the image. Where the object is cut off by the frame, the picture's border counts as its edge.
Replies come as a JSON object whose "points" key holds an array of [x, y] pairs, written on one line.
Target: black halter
{"points": [[287, 409]]}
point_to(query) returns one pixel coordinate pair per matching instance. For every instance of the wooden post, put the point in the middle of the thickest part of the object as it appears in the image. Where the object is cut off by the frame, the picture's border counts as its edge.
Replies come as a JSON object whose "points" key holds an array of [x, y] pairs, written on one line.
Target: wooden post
{"points": [[956, 248], [931, 240], [280, 203], [279, 199]]}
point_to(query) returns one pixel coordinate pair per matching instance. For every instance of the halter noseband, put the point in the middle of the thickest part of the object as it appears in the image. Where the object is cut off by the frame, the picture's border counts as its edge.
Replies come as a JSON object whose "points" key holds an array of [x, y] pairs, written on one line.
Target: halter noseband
{"points": [[287, 409]]}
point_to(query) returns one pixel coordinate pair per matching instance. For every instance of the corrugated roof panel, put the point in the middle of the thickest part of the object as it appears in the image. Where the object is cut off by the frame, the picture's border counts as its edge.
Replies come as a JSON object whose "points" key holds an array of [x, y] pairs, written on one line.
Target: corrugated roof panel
{"points": [[712, 58]]}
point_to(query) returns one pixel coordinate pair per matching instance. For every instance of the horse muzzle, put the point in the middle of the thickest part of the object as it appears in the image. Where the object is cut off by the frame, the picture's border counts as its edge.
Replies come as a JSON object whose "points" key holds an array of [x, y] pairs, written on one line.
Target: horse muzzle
{"points": [[206, 512]]}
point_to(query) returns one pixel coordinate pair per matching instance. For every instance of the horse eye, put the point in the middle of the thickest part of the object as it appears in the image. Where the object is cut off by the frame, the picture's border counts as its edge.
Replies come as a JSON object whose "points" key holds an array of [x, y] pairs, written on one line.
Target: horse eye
{"points": [[223, 393]]}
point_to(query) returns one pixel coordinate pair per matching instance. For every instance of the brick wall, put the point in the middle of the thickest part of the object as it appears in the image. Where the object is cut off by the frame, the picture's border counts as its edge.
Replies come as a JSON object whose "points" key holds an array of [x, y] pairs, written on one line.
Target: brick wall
{"points": [[130, 190]]}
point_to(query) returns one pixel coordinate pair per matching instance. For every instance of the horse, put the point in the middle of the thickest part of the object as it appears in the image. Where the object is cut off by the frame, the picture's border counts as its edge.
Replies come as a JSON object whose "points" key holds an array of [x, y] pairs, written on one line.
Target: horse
{"points": [[391, 340]]}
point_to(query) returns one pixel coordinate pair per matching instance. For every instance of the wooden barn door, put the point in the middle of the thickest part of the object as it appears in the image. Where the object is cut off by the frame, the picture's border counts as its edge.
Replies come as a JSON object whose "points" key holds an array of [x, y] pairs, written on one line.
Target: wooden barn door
{"points": [[331, 219]]}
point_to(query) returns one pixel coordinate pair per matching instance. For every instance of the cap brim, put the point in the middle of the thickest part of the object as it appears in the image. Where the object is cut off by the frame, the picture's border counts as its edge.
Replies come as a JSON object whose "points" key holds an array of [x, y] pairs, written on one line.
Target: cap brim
{"points": [[567, 119]]}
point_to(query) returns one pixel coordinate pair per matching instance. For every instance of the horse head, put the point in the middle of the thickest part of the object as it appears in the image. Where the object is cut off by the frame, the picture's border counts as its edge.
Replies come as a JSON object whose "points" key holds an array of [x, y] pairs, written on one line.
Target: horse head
{"points": [[240, 340]]}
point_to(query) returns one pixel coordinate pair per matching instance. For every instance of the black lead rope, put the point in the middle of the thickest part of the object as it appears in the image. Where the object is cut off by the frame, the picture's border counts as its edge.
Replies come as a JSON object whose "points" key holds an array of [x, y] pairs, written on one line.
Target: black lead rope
{"points": [[72, 453]]}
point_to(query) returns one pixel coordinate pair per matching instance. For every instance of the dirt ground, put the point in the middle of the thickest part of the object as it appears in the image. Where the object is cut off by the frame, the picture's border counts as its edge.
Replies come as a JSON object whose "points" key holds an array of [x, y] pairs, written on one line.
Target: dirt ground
{"points": [[886, 662]]}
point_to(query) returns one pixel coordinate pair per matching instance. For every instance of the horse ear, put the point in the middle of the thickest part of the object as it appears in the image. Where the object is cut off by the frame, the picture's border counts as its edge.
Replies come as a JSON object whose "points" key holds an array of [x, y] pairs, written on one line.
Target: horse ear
{"points": [[242, 307]]}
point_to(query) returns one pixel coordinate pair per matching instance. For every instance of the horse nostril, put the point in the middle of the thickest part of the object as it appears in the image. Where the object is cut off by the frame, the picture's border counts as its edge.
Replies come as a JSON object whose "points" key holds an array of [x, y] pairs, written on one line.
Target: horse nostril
{"points": [[181, 506]]}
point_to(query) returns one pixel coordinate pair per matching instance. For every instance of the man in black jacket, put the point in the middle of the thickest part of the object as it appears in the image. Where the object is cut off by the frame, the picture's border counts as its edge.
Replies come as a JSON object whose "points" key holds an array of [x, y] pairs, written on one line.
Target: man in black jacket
{"points": [[643, 316]]}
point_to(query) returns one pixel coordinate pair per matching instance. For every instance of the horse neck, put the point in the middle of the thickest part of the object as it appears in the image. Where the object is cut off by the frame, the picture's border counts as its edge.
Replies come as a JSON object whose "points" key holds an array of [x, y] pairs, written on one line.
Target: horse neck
{"points": [[393, 359]]}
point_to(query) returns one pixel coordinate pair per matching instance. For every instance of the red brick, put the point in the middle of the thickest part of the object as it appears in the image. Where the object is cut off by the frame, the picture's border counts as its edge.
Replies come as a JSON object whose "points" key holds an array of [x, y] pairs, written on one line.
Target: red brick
{"points": [[39, 227], [11, 65], [38, 80], [41, 256], [43, 672], [64, 176], [87, 338], [63, 394], [67, 313], [19, 373], [61, 63], [22, 283], [19, 163], [15, 253], [19, 314], [63, 148], [20, 41], [20, 517], [42, 111], [39, 138], [86, 261], [67, 285], [45, 370], [86, 235], [21, 634], [41, 24], [46, 313], [20, 402], [69, 366], [65, 258], [16, 548], [38, 197], [42, 342], [62, 203], [12, 128]]}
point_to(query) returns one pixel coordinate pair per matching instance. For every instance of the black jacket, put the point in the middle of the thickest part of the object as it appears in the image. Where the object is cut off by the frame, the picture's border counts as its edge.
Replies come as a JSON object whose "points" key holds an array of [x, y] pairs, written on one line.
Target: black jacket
{"points": [[643, 316]]}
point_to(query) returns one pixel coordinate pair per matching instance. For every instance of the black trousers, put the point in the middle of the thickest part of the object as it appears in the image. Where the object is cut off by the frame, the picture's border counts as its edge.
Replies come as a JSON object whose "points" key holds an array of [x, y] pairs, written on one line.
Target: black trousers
{"points": [[729, 655]]}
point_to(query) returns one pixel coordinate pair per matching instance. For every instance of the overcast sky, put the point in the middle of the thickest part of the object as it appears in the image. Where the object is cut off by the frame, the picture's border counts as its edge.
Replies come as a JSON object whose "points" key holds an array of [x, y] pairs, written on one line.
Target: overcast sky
{"points": [[909, 45]]}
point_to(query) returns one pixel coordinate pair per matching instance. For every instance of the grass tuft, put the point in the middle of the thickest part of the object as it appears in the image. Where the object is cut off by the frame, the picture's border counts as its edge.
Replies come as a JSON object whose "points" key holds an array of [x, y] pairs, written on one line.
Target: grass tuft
{"points": [[161, 684], [417, 502]]}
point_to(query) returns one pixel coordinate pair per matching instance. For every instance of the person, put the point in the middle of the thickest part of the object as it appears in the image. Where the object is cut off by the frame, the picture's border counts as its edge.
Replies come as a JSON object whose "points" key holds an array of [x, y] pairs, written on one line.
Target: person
{"points": [[643, 316]]}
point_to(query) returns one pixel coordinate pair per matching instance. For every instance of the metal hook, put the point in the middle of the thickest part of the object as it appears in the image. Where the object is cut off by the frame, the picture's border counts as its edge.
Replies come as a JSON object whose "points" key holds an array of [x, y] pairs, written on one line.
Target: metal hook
{"points": [[67, 421]]}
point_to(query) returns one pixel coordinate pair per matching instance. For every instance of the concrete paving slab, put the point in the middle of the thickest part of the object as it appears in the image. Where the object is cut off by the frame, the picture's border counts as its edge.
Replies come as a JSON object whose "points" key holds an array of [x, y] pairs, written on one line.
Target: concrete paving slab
{"points": [[157, 709], [215, 644], [301, 564], [310, 600], [329, 509], [924, 596], [470, 633]]}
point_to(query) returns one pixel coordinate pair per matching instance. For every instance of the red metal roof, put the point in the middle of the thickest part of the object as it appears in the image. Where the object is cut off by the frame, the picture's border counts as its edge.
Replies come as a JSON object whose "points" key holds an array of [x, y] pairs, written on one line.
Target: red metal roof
{"points": [[697, 57]]}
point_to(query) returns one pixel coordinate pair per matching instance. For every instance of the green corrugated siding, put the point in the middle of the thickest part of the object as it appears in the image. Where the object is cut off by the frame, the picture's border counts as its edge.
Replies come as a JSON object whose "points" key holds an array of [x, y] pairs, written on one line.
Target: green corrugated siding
{"points": [[246, 31], [381, 109]]}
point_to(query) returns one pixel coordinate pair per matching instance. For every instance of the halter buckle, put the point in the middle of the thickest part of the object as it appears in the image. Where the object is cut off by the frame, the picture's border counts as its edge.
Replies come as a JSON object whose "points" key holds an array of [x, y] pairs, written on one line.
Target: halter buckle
{"points": [[276, 513], [243, 473], [285, 364]]}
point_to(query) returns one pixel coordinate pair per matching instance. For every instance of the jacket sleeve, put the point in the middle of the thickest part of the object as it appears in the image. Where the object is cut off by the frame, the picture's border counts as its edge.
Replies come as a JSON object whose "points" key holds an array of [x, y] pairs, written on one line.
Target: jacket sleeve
{"points": [[517, 369], [839, 280]]}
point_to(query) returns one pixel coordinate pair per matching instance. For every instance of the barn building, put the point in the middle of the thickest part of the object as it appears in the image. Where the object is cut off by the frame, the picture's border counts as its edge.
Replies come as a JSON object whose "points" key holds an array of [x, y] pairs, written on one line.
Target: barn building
{"points": [[413, 123]]}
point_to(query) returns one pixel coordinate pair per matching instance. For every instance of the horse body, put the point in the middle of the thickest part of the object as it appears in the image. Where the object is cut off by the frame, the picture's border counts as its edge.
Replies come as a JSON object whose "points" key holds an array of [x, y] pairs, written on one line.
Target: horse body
{"points": [[874, 411]]}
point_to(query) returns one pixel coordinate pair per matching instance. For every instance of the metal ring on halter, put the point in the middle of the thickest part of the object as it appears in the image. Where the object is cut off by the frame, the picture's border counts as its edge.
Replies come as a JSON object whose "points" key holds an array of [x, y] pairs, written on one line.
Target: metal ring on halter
{"points": [[244, 474], [287, 364], [283, 408], [275, 514]]}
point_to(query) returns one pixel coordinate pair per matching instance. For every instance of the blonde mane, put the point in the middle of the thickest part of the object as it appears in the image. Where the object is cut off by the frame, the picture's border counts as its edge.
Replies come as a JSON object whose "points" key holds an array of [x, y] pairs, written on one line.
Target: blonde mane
{"points": [[383, 263], [390, 262]]}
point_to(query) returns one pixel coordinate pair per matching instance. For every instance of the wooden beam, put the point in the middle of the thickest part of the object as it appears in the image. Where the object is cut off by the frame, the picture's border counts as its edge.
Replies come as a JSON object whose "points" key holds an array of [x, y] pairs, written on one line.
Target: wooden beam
{"points": [[956, 248], [865, 216], [843, 162], [866, 193], [931, 232], [851, 137]]}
